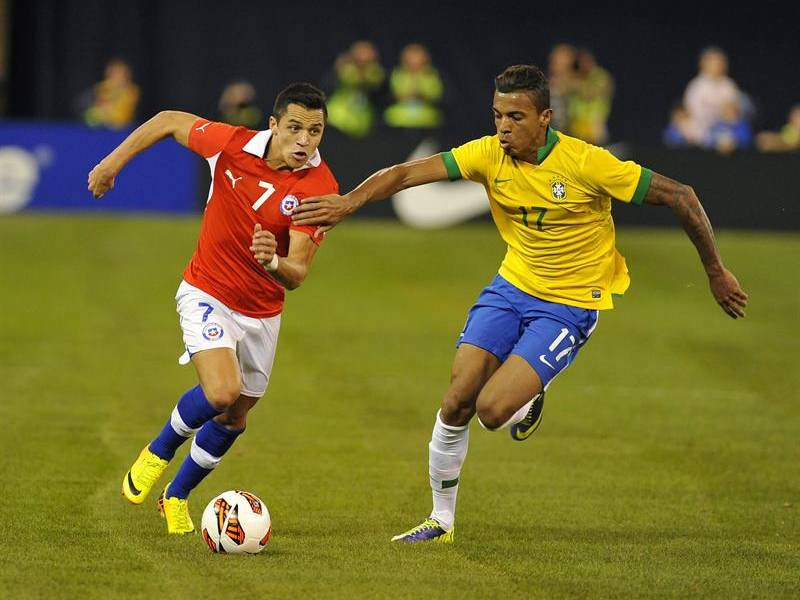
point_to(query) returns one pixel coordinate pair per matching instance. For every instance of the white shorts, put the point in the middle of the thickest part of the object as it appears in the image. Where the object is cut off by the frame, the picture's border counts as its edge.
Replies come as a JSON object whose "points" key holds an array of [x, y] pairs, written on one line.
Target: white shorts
{"points": [[207, 323]]}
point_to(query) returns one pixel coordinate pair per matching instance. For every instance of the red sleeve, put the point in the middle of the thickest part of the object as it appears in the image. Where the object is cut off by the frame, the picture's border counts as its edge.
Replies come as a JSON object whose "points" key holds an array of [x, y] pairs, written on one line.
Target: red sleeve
{"points": [[326, 185], [207, 138]]}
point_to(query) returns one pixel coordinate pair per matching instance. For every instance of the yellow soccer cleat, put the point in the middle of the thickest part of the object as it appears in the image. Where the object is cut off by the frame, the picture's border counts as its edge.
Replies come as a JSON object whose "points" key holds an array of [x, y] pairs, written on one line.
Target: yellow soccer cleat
{"points": [[428, 531], [138, 482], [176, 512]]}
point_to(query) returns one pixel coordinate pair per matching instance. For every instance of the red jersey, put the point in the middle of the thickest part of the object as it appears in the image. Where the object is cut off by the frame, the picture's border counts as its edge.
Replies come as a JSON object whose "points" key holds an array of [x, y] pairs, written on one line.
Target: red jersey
{"points": [[245, 191]]}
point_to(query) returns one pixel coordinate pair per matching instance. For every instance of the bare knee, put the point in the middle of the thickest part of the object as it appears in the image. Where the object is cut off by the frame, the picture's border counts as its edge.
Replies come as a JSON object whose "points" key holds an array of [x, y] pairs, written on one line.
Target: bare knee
{"points": [[492, 415], [457, 408], [222, 395], [458, 404]]}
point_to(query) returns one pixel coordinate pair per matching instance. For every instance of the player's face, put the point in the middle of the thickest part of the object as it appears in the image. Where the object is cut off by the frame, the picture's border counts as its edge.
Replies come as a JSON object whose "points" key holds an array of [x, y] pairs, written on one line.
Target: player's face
{"points": [[298, 134], [520, 127]]}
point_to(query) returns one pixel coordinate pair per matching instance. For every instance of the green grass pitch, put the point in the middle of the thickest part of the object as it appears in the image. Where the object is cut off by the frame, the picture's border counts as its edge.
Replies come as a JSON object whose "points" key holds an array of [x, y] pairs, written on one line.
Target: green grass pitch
{"points": [[668, 463]]}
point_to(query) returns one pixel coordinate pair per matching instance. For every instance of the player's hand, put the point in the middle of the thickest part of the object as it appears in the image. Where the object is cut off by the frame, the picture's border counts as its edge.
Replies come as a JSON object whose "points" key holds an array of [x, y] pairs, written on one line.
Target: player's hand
{"points": [[728, 293], [322, 210], [264, 245], [101, 179]]}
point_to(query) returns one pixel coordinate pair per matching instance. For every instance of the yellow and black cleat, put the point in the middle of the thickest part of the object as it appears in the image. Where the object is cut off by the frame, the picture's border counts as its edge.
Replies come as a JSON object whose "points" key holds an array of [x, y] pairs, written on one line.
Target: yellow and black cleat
{"points": [[524, 429], [141, 477]]}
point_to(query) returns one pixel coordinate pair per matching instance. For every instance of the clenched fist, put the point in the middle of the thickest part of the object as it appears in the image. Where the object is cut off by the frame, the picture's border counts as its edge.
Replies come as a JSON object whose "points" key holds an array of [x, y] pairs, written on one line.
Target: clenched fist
{"points": [[263, 247], [101, 179]]}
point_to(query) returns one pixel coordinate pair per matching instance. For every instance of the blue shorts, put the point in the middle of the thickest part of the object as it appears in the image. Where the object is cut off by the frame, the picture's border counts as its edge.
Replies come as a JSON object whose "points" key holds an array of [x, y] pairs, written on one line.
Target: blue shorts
{"points": [[505, 320]]}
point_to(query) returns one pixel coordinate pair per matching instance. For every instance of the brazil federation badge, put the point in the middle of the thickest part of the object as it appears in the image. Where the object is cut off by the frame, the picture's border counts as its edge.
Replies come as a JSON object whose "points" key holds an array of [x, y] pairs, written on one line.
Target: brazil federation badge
{"points": [[288, 204], [213, 332], [558, 188]]}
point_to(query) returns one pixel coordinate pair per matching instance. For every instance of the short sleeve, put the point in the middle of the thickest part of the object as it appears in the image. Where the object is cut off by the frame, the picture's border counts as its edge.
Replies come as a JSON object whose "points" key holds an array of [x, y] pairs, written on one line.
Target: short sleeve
{"points": [[605, 174], [328, 185], [469, 161], [207, 138]]}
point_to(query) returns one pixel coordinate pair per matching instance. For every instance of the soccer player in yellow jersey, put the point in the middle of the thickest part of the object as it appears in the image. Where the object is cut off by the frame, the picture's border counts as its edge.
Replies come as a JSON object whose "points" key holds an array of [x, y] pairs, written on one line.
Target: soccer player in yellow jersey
{"points": [[550, 197]]}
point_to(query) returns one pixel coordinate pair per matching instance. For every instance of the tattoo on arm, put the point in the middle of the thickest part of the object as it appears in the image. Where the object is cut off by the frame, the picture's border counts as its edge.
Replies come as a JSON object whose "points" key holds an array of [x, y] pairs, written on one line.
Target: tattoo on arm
{"points": [[684, 203]]}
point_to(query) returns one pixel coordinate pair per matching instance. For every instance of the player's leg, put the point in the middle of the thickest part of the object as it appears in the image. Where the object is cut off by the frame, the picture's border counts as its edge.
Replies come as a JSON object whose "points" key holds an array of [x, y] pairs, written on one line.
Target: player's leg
{"points": [[210, 444], [506, 396], [447, 450], [219, 385], [254, 359], [491, 331], [210, 335], [514, 396], [218, 373]]}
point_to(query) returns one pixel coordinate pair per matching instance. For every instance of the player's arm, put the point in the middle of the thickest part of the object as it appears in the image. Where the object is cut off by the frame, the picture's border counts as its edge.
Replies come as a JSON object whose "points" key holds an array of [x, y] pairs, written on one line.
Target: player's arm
{"points": [[685, 204], [165, 124], [289, 270], [329, 210]]}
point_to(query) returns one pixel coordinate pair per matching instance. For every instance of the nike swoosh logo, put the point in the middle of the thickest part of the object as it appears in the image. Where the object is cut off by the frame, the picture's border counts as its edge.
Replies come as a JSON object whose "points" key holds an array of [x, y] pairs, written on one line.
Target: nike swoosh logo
{"points": [[499, 181], [439, 204], [544, 360], [133, 487]]}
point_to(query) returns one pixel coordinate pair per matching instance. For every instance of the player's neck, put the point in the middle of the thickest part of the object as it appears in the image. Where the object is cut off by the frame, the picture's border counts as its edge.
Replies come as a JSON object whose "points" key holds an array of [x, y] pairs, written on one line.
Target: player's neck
{"points": [[540, 141], [274, 159]]}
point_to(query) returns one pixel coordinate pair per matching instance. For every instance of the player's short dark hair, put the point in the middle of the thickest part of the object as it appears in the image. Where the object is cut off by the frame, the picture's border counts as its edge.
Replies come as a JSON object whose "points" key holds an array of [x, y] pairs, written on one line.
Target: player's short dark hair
{"points": [[527, 78], [304, 94]]}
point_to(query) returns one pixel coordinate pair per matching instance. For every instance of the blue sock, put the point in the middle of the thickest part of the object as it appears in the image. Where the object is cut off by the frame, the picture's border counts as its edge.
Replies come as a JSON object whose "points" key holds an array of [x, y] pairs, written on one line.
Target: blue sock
{"points": [[208, 447], [192, 410]]}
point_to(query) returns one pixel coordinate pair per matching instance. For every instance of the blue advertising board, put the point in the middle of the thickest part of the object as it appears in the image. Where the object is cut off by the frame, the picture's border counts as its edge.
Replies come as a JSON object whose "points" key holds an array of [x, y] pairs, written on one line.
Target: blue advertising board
{"points": [[44, 166]]}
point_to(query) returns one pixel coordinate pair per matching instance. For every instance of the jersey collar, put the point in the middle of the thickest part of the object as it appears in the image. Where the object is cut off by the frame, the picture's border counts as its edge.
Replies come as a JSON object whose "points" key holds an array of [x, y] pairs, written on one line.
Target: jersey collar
{"points": [[257, 146], [549, 144]]}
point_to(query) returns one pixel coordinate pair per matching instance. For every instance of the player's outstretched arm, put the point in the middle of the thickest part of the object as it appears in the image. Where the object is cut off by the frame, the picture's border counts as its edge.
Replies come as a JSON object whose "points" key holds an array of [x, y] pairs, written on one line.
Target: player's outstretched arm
{"points": [[166, 123], [685, 204], [329, 210], [289, 270]]}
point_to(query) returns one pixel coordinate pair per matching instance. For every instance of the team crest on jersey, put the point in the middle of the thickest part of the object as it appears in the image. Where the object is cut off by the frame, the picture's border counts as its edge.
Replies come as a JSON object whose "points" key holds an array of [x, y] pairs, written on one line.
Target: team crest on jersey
{"points": [[288, 204], [558, 188], [213, 332]]}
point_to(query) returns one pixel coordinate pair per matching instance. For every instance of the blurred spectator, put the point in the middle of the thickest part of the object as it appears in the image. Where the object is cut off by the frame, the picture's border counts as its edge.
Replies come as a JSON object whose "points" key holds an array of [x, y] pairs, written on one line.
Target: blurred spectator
{"points": [[237, 105], [115, 98], [357, 78], [416, 88], [731, 131], [676, 135], [561, 75], [708, 93], [589, 103], [785, 140]]}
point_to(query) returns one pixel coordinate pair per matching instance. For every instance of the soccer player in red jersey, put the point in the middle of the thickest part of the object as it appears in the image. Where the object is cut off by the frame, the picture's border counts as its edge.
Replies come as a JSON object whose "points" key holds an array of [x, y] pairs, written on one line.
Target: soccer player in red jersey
{"points": [[232, 293]]}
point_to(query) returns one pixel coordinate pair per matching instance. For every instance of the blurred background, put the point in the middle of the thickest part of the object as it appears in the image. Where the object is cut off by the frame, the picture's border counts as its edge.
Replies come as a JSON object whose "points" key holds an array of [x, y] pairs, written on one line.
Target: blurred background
{"points": [[709, 96]]}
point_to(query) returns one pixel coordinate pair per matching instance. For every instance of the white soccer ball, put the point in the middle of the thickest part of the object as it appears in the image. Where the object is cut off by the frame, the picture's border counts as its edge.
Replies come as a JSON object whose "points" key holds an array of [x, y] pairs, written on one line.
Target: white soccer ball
{"points": [[237, 523]]}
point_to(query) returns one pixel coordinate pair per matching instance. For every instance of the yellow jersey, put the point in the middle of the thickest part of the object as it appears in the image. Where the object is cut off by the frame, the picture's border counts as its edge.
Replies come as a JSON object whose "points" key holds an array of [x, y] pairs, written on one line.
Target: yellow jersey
{"points": [[555, 216]]}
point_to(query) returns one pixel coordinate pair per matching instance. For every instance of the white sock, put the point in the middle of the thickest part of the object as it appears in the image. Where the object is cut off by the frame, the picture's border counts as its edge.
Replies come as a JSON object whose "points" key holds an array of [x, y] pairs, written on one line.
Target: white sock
{"points": [[446, 454]]}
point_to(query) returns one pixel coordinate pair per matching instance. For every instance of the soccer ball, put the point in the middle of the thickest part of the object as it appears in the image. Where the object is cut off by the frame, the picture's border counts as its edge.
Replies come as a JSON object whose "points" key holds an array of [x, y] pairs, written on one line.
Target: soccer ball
{"points": [[237, 523]]}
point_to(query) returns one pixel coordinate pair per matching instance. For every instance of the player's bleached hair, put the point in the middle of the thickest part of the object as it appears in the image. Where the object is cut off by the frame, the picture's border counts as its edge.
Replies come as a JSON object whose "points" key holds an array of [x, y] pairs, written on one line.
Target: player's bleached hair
{"points": [[304, 94], [527, 78]]}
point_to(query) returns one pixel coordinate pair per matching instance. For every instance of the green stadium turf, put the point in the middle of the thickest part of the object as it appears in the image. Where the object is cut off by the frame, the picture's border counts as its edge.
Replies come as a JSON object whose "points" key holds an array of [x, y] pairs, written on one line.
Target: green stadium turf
{"points": [[668, 463]]}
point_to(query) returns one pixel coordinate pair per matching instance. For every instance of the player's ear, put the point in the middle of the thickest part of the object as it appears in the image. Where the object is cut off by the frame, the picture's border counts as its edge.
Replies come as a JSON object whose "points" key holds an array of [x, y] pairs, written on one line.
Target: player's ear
{"points": [[545, 116], [273, 124]]}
